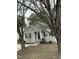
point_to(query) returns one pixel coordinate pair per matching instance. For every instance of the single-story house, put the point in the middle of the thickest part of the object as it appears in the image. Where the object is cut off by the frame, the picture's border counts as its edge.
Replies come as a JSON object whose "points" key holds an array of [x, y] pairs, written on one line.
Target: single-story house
{"points": [[33, 34]]}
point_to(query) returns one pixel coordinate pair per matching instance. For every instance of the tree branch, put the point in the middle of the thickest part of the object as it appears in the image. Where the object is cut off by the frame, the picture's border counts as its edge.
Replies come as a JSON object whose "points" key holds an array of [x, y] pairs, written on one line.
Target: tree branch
{"points": [[26, 6]]}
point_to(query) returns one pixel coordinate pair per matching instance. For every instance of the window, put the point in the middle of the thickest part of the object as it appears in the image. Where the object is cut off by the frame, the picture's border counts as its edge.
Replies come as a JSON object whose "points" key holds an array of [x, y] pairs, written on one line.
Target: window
{"points": [[30, 35], [25, 35], [38, 35], [44, 34], [35, 36]]}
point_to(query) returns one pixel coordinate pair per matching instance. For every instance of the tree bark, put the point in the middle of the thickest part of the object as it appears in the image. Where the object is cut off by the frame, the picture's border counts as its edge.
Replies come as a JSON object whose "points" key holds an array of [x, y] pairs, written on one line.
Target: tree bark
{"points": [[57, 33], [59, 46], [58, 27], [21, 38], [22, 42]]}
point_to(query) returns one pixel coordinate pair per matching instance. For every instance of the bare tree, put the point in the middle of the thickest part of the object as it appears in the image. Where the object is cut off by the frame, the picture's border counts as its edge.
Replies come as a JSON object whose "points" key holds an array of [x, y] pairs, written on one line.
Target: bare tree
{"points": [[52, 17], [21, 10]]}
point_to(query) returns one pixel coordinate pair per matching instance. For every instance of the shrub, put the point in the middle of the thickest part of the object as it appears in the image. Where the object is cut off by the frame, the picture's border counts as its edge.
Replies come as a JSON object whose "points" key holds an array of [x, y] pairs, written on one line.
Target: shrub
{"points": [[24, 42], [18, 42], [43, 41], [50, 42]]}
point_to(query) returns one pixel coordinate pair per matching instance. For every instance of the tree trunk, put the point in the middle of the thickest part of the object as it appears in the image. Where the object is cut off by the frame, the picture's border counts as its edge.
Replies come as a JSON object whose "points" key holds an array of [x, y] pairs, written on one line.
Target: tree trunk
{"points": [[57, 34], [59, 46], [58, 27], [22, 42], [22, 46]]}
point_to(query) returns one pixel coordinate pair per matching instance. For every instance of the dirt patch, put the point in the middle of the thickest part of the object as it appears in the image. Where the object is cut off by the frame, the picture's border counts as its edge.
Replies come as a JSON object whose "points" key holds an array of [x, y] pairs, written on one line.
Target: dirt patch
{"points": [[42, 51]]}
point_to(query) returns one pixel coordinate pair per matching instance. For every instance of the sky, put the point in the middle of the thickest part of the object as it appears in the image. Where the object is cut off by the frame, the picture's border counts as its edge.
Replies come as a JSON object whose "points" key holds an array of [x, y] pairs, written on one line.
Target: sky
{"points": [[28, 13]]}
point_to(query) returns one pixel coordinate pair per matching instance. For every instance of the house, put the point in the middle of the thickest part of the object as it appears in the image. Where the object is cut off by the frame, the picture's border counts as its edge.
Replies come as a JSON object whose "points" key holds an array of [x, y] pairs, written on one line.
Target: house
{"points": [[35, 33]]}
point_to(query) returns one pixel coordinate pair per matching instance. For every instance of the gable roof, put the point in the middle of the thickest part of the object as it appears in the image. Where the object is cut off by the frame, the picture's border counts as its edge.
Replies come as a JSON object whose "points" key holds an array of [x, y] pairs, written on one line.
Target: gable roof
{"points": [[38, 27], [32, 28]]}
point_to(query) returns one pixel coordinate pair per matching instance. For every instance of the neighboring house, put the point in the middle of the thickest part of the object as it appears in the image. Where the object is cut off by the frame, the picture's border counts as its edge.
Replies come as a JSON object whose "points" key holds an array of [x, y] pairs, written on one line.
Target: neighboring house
{"points": [[33, 34]]}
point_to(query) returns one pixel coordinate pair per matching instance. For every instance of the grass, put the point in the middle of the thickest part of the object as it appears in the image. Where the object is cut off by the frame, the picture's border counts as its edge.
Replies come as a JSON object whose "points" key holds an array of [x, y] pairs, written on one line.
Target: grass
{"points": [[42, 51]]}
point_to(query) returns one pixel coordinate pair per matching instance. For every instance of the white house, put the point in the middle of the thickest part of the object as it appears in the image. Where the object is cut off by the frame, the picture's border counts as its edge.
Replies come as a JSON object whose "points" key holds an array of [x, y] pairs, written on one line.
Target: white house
{"points": [[33, 34]]}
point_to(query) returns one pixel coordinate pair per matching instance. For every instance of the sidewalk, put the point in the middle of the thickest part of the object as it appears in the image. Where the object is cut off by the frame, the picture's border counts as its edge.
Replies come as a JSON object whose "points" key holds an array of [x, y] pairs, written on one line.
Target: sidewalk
{"points": [[26, 45]]}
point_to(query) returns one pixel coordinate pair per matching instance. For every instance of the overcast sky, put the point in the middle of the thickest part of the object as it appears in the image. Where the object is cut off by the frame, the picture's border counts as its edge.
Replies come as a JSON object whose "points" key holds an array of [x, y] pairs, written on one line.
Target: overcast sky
{"points": [[27, 15]]}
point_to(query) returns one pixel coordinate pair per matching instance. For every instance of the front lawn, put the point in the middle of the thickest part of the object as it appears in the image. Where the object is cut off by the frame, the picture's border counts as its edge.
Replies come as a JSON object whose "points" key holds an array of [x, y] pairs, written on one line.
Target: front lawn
{"points": [[42, 51]]}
